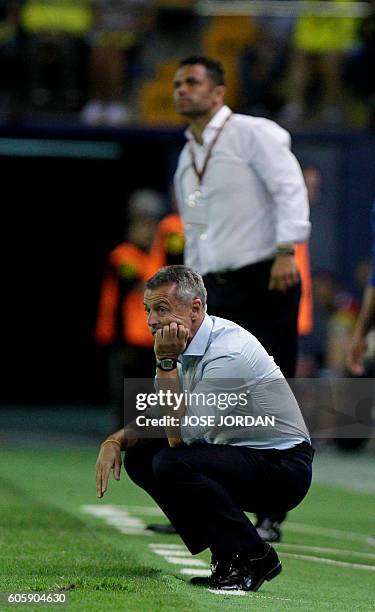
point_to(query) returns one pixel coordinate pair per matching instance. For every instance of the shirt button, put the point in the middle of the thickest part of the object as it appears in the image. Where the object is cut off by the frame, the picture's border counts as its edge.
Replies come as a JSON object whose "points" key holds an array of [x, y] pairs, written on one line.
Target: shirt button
{"points": [[203, 236]]}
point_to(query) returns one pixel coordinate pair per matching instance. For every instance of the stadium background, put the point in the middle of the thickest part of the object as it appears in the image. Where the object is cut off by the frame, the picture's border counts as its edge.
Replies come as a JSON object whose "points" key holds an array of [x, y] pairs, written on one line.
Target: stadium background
{"points": [[65, 184], [65, 210], [64, 188]]}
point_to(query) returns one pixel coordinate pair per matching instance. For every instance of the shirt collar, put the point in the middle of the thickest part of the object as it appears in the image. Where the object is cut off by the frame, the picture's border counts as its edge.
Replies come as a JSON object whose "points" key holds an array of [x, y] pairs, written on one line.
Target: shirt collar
{"points": [[214, 124], [198, 345]]}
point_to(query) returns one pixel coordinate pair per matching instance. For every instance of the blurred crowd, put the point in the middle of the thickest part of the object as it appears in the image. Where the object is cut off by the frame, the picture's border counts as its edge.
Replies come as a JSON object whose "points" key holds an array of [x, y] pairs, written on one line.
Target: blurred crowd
{"points": [[92, 58]]}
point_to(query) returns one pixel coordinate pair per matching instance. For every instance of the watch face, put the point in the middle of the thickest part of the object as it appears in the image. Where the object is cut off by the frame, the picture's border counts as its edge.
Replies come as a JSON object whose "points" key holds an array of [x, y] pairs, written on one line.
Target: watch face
{"points": [[167, 364]]}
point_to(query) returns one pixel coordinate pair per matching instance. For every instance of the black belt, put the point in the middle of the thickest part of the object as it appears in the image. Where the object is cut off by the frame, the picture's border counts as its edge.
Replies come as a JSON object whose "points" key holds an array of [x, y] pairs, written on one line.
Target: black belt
{"points": [[221, 278]]}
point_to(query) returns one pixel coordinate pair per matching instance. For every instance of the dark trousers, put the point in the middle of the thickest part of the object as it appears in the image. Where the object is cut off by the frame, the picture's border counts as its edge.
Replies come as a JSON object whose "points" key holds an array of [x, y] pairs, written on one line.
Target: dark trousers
{"points": [[204, 489], [243, 296]]}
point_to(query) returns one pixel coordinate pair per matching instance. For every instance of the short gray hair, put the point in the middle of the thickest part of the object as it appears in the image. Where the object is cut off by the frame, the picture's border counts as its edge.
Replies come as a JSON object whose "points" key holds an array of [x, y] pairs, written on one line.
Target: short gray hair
{"points": [[189, 284]]}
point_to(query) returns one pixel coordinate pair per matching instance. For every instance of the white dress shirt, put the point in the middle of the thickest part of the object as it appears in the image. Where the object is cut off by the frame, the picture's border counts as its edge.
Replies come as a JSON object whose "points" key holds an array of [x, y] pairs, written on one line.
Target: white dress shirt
{"points": [[253, 194]]}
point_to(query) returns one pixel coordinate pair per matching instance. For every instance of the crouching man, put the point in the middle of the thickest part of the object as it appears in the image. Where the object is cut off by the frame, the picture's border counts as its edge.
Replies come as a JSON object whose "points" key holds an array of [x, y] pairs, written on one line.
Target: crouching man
{"points": [[204, 473]]}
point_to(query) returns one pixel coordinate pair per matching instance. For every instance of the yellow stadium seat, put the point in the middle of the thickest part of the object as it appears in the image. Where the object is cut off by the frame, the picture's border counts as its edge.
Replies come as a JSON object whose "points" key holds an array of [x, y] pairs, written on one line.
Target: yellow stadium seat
{"points": [[224, 40], [155, 104]]}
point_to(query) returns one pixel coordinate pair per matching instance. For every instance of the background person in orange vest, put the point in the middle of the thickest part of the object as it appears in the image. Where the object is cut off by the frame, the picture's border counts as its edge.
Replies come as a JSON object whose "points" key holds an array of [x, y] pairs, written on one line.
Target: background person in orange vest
{"points": [[168, 245], [305, 310], [121, 324]]}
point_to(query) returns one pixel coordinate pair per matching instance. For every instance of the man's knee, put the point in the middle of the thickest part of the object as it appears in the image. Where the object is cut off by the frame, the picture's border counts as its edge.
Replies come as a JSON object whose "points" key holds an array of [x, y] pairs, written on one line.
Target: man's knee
{"points": [[138, 462], [134, 466], [166, 465]]}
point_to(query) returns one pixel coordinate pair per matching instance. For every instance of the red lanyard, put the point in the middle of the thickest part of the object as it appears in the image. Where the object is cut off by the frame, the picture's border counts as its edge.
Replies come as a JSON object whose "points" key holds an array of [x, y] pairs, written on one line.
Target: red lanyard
{"points": [[200, 173]]}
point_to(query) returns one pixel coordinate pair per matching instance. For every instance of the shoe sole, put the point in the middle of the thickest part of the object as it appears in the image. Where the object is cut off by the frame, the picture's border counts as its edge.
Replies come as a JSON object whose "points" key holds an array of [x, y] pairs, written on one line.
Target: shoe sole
{"points": [[272, 574]]}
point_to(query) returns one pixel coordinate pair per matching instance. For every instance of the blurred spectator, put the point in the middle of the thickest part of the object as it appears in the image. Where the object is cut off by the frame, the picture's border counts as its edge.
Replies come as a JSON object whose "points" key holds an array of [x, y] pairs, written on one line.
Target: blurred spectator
{"points": [[176, 33], [315, 85], [305, 310], [56, 50], [324, 208], [335, 314], [115, 38], [361, 351], [121, 322], [262, 67], [360, 62], [169, 241]]}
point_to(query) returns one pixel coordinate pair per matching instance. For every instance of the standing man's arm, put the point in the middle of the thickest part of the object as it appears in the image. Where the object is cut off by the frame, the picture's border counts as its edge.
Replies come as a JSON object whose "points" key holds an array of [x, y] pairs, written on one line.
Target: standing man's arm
{"points": [[280, 172], [365, 322], [284, 271]]}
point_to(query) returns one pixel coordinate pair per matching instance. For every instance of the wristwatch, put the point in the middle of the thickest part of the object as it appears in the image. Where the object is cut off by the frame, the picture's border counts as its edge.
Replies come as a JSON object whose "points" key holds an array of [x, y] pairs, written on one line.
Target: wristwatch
{"points": [[167, 364]]}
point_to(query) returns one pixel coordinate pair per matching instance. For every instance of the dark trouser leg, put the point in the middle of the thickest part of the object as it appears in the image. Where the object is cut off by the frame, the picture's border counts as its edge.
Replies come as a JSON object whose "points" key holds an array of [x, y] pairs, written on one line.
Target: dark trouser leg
{"points": [[244, 297], [139, 466], [203, 489]]}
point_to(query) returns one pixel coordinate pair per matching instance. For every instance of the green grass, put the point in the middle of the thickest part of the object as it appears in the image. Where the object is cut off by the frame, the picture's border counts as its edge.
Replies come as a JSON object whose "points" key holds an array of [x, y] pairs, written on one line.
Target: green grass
{"points": [[48, 543]]}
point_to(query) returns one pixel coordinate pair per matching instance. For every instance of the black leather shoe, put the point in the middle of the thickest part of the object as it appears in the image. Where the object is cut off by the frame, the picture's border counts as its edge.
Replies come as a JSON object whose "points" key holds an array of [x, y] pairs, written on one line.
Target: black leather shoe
{"points": [[219, 569], [269, 530], [165, 528], [243, 573]]}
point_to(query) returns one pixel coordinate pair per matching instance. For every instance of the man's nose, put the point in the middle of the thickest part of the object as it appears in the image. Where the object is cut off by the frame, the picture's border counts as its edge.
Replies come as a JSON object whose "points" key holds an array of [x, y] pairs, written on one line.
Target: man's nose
{"points": [[152, 319], [181, 88]]}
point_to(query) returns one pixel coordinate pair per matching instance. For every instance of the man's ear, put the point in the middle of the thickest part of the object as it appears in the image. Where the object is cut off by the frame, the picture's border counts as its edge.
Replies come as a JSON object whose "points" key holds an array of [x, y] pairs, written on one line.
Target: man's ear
{"points": [[220, 93], [196, 308]]}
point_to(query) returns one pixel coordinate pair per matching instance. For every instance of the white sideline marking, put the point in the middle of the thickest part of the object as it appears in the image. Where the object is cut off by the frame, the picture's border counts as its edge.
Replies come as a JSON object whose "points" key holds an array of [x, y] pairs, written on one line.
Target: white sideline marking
{"points": [[99, 510], [120, 519], [186, 561], [326, 531], [170, 551], [370, 568], [192, 571], [169, 546], [234, 592], [321, 549], [253, 595]]}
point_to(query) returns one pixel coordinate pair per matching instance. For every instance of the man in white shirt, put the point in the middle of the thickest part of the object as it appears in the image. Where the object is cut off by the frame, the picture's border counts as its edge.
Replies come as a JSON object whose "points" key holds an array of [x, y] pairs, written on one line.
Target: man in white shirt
{"points": [[204, 474], [243, 200]]}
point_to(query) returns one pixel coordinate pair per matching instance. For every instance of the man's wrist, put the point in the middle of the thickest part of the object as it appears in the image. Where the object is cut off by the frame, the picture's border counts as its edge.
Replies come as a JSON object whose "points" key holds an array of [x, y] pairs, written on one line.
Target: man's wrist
{"points": [[167, 364], [118, 438], [286, 248], [112, 441]]}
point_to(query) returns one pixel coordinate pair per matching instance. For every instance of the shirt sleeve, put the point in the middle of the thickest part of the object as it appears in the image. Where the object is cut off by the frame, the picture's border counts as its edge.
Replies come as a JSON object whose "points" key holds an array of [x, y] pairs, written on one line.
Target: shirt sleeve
{"points": [[280, 172]]}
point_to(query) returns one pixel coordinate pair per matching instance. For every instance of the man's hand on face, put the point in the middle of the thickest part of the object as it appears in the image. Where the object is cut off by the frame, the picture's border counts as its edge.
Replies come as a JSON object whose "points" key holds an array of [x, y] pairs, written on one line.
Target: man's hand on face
{"points": [[171, 341]]}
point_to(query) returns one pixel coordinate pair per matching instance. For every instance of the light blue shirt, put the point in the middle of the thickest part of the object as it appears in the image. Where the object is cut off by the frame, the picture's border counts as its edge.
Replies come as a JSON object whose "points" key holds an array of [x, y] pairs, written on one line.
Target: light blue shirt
{"points": [[222, 359]]}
